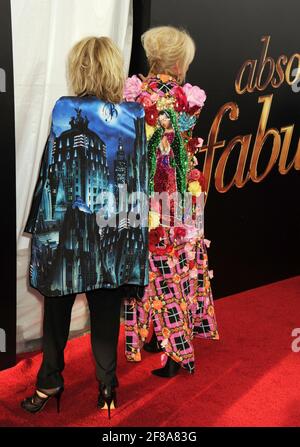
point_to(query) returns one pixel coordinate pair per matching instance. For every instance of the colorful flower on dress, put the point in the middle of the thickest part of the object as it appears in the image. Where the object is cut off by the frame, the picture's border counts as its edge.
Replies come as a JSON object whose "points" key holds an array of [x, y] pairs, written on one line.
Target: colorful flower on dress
{"points": [[192, 264], [179, 232], [171, 263], [194, 273], [191, 256], [146, 306], [195, 188], [194, 174], [176, 278], [152, 276], [154, 237], [157, 304], [183, 306], [166, 332], [194, 144], [144, 332], [164, 343], [161, 231], [181, 103], [144, 99], [165, 103], [210, 310], [153, 84], [195, 95], [151, 115], [186, 121], [154, 97], [132, 88]]}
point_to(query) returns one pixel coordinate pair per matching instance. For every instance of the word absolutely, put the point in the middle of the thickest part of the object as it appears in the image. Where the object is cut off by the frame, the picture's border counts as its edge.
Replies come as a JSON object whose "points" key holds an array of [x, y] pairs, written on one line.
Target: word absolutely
{"points": [[273, 72], [2, 340], [2, 81]]}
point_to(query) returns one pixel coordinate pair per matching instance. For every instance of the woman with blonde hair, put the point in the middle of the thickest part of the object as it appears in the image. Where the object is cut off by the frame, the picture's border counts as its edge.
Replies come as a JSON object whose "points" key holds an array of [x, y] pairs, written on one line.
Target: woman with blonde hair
{"points": [[79, 241], [178, 300]]}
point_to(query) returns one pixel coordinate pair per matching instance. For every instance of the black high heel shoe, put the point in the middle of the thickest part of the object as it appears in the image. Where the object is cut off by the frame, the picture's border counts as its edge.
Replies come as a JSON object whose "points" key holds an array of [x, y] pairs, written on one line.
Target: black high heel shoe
{"points": [[153, 345], [36, 403], [107, 398], [170, 369]]}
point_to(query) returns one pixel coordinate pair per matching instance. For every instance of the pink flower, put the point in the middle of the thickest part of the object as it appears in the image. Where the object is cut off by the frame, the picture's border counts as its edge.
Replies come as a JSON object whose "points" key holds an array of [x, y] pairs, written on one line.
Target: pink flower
{"points": [[193, 273], [154, 97], [193, 175], [195, 95], [145, 99], [132, 88]]}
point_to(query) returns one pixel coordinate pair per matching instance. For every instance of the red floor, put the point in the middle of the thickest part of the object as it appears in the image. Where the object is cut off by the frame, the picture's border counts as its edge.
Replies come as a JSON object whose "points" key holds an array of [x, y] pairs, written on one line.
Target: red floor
{"points": [[250, 377]]}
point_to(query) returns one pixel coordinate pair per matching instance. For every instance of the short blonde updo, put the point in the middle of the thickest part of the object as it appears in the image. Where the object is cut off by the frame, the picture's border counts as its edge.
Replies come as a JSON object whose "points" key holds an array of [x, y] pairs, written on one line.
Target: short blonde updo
{"points": [[166, 45], [95, 67]]}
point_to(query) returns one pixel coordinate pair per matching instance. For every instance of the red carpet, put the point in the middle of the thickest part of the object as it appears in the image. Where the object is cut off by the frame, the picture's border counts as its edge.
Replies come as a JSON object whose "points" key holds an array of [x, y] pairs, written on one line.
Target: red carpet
{"points": [[250, 377]]}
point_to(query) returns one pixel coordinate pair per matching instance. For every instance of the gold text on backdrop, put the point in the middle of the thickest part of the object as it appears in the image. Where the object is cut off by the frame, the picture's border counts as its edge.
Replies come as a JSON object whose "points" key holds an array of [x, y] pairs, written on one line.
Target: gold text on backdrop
{"points": [[281, 138]]}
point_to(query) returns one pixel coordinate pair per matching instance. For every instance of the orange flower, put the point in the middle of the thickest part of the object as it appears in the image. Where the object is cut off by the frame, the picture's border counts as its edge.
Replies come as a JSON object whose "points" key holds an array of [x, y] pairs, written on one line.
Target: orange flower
{"points": [[211, 311], [152, 276], [157, 304], [183, 306], [146, 306], [176, 278], [165, 332], [143, 332]]}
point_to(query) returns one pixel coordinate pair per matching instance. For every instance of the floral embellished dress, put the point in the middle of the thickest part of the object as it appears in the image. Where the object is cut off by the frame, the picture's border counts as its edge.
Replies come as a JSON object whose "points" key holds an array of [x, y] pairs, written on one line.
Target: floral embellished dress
{"points": [[178, 302]]}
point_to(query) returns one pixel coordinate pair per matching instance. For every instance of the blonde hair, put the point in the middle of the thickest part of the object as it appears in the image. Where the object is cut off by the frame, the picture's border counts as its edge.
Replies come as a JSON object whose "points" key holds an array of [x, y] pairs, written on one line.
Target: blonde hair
{"points": [[166, 45], [95, 67]]}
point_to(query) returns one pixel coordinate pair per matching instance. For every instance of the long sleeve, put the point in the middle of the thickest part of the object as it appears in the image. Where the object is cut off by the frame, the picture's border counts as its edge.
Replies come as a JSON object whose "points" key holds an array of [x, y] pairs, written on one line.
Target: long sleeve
{"points": [[30, 226]]}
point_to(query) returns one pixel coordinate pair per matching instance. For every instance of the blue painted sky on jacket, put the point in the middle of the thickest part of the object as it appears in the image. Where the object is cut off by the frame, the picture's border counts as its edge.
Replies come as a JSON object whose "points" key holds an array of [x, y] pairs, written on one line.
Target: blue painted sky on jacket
{"points": [[109, 132]]}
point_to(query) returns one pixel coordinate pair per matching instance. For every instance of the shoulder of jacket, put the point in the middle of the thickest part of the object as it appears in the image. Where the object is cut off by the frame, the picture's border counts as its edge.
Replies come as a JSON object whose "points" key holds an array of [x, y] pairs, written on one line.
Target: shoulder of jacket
{"points": [[134, 107]]}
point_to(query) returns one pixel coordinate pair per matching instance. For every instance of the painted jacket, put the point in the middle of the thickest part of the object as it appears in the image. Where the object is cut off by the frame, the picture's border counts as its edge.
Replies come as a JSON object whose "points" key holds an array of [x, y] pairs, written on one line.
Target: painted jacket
{"points": [[94, 161]]}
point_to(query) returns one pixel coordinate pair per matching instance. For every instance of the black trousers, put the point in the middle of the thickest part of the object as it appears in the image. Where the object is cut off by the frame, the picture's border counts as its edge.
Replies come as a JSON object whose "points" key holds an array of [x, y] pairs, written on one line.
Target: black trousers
{"points": [[105, 309]]}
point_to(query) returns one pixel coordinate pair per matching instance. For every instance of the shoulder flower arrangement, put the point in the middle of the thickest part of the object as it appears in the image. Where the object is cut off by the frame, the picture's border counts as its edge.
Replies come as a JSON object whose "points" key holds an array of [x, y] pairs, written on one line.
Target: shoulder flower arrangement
{"points": [[187, 100]]}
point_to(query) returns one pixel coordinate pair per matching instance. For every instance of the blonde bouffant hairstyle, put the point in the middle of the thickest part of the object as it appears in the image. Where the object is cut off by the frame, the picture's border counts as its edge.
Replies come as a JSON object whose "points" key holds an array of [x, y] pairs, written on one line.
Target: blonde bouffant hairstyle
{"points": [[96, 67], [166, 45]]}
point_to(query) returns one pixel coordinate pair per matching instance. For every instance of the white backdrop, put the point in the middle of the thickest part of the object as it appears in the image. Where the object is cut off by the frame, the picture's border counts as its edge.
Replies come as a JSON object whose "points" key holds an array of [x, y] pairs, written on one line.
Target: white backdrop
{"points": [[43, 33]]}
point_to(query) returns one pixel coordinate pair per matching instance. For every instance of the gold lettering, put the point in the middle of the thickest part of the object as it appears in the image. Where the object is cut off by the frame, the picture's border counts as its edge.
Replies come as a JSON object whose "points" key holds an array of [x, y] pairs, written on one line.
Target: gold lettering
{"points": [[260, 139], [288, 69], [213, 144], [237, 179], [263, 63]]}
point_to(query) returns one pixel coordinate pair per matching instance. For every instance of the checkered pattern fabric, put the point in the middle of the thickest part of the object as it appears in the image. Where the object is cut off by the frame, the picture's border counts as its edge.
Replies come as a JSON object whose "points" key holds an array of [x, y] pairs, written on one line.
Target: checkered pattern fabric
{"points": [[178, 301]]}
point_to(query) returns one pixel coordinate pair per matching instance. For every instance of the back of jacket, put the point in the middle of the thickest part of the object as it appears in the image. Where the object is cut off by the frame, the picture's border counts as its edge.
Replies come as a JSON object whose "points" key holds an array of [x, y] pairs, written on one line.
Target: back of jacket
{"points": [[88, 215]]}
